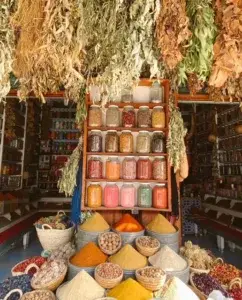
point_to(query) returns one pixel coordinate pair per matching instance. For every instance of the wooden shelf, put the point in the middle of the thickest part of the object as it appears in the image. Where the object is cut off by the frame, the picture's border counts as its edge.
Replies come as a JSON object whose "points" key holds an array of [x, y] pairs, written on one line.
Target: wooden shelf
{"points": [[125, 208], [126, 128], [126, 180], [134, 104], [125, 154]]}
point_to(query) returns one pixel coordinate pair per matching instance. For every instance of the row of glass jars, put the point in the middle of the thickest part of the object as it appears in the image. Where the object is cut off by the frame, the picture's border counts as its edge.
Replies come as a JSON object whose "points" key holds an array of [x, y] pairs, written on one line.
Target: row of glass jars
{"points": [[145, 118], [125, 142], [127, 196], [129, 169]]}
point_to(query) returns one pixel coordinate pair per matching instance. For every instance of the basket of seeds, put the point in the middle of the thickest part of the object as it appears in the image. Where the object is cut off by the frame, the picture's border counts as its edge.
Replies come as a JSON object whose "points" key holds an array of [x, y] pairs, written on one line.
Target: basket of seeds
{"points": [[109, 242], [108, 275], [147, 245], [151, 278], [39, 295]]}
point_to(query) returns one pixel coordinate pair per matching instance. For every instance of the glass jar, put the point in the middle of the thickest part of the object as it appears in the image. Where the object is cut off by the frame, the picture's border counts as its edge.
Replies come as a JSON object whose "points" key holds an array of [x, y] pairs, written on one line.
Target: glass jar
{"points": [[112, 141], [94, 141], [159, 168], [111, 195], [94, 195], [95, 116], [158, 117], [126, 142], [129, 168], [95, 168], [112, 116], [158, 142], [113, 168], [143, 142], [128, 195], [144, 117], [156, 92], [160, 196], [144, 195], [127, 95], [144, 168], [128, 117]]}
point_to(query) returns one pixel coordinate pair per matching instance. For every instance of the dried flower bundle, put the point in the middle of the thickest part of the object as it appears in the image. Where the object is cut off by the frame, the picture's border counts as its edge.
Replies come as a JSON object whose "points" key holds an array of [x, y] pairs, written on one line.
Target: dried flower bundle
{"points": [[172, 31]]}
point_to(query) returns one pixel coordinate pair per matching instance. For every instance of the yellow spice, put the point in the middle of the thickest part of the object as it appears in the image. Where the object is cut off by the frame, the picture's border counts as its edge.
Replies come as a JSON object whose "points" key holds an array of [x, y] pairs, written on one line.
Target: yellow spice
{"points": [[161, 225], [95, 223]]}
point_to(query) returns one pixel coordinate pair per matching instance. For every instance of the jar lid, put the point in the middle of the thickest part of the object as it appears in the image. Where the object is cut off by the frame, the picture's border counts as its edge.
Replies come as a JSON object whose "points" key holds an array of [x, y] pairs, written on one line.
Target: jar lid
{"points": [[113, 106], [95, 105], [160, 106], [129, 131], [96, 130], [144, 157], [111, 130], [160, 184], [112, 157], [128, 106], [159, 157], [144, 106], [159, 132], [93, 183], [144, 131], [96, 157]]}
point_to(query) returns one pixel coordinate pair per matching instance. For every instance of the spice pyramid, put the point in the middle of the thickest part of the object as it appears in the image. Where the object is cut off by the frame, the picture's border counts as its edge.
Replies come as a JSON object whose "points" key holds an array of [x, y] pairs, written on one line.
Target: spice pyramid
{"points": [[95, 223], [128, 224], [161, 225]]}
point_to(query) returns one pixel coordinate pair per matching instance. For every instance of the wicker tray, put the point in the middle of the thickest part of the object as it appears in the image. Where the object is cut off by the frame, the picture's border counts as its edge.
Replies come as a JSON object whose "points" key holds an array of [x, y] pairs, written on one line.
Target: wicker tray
{"points": [[107, 283], [146, 251], [30, 266], [50, 294], [13, 291], [105, 250], [152, 284]]}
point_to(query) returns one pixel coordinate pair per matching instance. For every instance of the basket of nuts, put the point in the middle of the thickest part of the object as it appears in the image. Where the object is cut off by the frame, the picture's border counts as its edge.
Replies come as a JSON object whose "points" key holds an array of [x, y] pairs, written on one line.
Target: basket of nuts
{"points": [[147, 245], [108, 275], [152, 278], [39, 295], [109, 242]]}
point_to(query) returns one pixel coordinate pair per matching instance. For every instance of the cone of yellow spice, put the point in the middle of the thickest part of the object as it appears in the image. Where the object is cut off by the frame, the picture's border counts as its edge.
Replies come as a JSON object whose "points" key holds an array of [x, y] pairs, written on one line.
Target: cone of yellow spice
{"points": [[128, 258], [88, 256], [130, 290], [95, 223], [161, 225]]}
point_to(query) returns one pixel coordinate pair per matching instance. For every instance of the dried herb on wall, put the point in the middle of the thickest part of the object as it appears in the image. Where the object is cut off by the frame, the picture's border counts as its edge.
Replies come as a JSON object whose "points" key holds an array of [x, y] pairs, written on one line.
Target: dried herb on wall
{"points": [[172, 31]]}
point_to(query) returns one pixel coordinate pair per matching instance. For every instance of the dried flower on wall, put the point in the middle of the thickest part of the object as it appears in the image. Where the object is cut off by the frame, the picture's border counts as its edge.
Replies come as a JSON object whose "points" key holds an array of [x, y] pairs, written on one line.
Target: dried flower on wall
{"points": [[172, 31], [6, 47]]}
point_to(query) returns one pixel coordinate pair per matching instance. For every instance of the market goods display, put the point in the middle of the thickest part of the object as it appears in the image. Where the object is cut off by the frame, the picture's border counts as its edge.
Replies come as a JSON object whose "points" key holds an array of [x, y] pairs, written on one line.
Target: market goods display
{"points": [[151, 278], [128, 258], [95, 168], [94, 116], [129, 168], [144, 197], [60, 221], [143, 142], [128, 195], [128, 117], [160, 196], [126, 142], [109, 242], [158, 117], [113, 168], [144, 117], [199, 259], [111, 195], [144, 168], [235, 290], [112, 141], [21, 282], [88, 256], [63, 253], [158, 143], [50, 275], [94, 195], [108, 275], [128, 224], [147, 245], [130, 290], [28, 266], [160, 225], [112, 116], [81, 287], [39, 295], [94, 141], [224, 273], [159, 168], [95, 223]]}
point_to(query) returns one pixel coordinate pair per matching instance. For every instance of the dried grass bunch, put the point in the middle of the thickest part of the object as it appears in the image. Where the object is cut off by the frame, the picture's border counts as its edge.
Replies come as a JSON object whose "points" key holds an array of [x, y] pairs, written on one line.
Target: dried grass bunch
{"points": [[172, 31]]}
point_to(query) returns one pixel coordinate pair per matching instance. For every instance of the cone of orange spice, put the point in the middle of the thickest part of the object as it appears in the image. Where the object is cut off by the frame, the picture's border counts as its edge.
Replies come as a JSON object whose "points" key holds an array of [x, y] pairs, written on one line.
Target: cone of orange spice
{"points": [[224, 273], [128, 224], [88, 256]]}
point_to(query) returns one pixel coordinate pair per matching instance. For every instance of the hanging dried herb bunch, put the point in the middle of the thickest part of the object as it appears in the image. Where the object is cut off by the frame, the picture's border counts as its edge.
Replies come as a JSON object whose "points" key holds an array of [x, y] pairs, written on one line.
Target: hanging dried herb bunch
{"points": [[228, 45], [172, 31], [50, 47], [197, 64], [6, 46]]}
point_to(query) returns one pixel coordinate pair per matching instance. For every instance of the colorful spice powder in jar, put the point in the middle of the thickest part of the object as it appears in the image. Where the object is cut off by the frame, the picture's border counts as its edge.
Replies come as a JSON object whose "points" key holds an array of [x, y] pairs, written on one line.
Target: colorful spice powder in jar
{"points": [[158, 117], [224, 273], [112, 141], [94, 195], [159, 168], [144, 168], [128, 195], [111, 195], [144, 117], [95, 116], [95, 168], [129, 168], [160, 197], [128, 117], [113, 116], [94, 141], [113, 168], [126, 142], [143, 142], [158, 142], [144, 195]]}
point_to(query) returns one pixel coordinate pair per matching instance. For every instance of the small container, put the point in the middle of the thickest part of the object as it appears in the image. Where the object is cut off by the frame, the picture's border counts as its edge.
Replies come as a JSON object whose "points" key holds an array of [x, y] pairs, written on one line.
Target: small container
{"points": [[113, 168], [144, 195], [94, 195], [143, 142], [129, 168], [112, 116], [144, 168], [111, 195], [128, 117], [94, 141], [128, 195], [127, 95], [160, 196], [156, 93], [158, 142], [95, 116], [112, 141], [126, 142], [158, 117], [144, 117], [95, 168], [159, 169]]}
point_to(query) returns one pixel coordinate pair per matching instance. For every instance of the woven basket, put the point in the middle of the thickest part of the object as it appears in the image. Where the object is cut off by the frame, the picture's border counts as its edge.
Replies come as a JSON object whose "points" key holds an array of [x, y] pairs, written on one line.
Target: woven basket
{"points": [[13, 291], [26, 296], [52, 285], [194, 286], [152, 284], [105, 250], [107, 283], [146, 251], [199, 271], [30, 266]]}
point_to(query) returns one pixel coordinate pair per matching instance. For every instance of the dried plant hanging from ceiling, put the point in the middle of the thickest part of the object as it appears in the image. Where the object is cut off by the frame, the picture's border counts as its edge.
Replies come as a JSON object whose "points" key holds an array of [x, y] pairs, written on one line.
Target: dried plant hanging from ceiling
{"points": [[120, 39], [197, 64], [6, 47], [49, 50], [172, 32]]}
